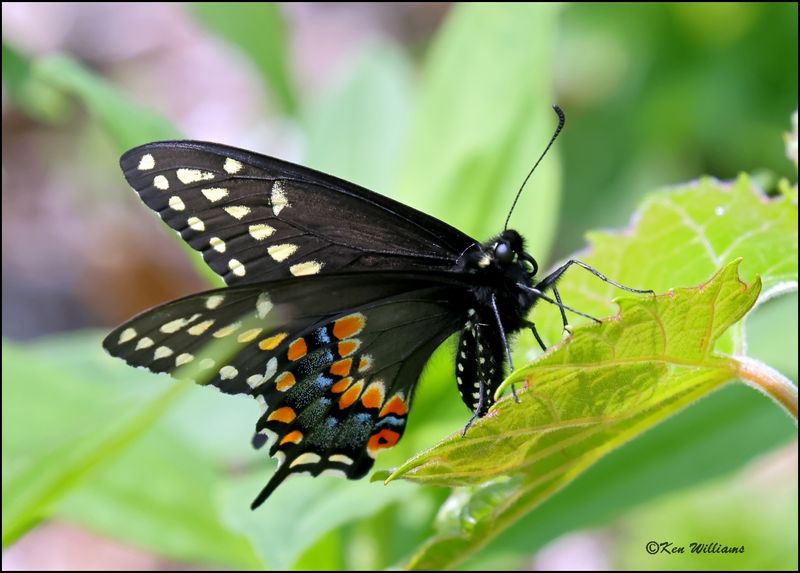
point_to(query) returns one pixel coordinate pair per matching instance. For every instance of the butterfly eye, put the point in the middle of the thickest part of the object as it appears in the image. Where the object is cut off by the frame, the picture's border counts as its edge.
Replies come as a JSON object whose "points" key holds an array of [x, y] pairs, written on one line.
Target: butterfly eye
{"points": [[503, 253]]}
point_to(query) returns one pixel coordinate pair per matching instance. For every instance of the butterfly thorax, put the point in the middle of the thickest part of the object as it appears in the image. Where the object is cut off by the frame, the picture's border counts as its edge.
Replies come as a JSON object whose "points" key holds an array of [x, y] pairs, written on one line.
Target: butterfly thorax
{"points": [[498, 267]]}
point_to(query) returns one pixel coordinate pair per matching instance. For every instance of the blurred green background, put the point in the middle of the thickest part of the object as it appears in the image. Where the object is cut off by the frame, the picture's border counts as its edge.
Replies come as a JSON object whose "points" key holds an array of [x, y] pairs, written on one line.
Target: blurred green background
{"points": [[443, 107]]}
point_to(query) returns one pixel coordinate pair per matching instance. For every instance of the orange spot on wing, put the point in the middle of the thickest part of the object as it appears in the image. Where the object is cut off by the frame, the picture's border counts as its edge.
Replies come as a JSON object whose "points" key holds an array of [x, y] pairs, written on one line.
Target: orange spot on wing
{"points": [[349, 397], [297, 349], [272, 342], [295, 437], [348, 326], [347, 347], [364, 362], [285, 381], [342, 367], [341, 385], [373, 395], [285, 415], [395, 405], [382, 440]]}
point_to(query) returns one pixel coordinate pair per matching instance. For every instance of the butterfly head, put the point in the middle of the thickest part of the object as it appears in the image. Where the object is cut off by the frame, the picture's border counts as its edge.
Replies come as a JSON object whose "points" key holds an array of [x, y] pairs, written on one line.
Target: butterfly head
{"points": [[507, 251]]}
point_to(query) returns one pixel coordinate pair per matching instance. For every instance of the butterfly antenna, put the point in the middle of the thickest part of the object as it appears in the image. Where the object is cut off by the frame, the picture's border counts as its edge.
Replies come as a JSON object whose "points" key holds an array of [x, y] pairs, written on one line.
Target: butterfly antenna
{"points": [[561, 120]]}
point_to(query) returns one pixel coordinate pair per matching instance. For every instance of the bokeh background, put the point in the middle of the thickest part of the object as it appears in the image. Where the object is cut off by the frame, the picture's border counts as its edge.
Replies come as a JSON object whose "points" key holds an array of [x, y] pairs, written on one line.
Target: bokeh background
{"points": [[441, 106]]}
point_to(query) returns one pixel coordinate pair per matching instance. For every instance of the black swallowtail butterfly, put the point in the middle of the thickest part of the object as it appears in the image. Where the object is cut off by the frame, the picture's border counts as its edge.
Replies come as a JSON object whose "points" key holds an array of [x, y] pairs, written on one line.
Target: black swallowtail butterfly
{"points": [[345, 293]]}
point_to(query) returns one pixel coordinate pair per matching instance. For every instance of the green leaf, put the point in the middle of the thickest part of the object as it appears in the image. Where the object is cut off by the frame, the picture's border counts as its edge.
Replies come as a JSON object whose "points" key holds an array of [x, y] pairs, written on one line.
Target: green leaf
{"points": [[84, 438], [679, 238], [259, 31], [356, 129], [127, 123], [300, 512], [38, 99], [602, 387], [482, 119]]}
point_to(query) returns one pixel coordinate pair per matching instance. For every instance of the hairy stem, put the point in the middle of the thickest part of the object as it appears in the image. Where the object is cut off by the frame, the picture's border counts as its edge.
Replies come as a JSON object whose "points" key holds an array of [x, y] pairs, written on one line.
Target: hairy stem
{"points": [[768, 381]]}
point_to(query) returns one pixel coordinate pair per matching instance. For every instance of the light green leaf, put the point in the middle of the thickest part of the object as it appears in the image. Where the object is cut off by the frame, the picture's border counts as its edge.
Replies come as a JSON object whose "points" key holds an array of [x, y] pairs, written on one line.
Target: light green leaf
{"points": [[300, 512], [356, 129], [679, 238], [482, 119], [38, 99], [602, 387], [84, 438], [259, 31]]}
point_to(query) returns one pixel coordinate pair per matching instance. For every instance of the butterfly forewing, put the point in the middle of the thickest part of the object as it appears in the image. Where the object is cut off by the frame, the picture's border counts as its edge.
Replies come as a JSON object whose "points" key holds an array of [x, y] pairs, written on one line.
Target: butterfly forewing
{"points": [[332, 363], [256, 218]]}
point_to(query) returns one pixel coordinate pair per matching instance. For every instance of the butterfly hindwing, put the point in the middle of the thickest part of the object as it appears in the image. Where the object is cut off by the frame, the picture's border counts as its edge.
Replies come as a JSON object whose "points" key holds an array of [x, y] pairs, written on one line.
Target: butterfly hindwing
{"points": [[256, 218], [332, 361]]}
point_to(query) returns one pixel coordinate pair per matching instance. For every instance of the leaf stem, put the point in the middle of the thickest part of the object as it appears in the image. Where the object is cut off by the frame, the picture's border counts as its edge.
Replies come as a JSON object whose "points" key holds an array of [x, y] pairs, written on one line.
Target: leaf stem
{"points": [[767, 381]]}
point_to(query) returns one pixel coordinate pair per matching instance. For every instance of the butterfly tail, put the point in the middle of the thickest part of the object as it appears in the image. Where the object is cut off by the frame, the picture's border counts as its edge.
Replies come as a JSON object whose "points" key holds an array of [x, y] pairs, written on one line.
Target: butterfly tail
{"points": [[277, 478]]}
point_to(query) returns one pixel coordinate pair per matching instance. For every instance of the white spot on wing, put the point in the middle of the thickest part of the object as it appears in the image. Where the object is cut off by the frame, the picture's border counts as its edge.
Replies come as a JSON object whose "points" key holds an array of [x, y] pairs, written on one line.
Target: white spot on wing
{"points": [[196, 224], [146, 162], [279, 201], [237, 267], [176, 203], [232, 166], [272, 368], [174, 326], [255, 380], [237, 211], [306, 458], [228, 372], [214, 194], [341, 459], [263, 305], [306, 268], [281, 252], [217, 244], [126, 335], [261, 231], [184, 358], [206, 363], [201, 327], [144, 343], [160, 182], [214, 301], [187, 176], [162, 352]]}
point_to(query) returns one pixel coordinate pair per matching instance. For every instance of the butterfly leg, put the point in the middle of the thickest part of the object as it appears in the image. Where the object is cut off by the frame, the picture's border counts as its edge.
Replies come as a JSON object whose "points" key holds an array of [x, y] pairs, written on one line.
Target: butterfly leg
{"points": [[535, 332], [505, 344], [478, 408], [550, 280]]}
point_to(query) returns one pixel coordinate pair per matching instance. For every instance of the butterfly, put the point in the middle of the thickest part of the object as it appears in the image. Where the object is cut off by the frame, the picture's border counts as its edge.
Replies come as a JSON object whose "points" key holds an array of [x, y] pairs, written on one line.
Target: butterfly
{"points": [[336, 298]]}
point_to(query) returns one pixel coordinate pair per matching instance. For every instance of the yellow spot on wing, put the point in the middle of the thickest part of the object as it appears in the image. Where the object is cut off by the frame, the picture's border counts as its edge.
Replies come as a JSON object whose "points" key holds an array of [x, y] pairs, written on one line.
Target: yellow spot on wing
{"points": [[278, 198], [162, 352], [126, 335], [261, 231], [303, 459], [145, 342], [249, 335], [237, 211], [341, 459], [176, 203], [237, 268], [214, 301], [227, 330], [307, 268], [200, 327], [184, 358], [214, 194], [228, 372], [173, 326], [272, 342], [196, 224], [232, 166], [217, 244], [263, 305], [160, 182], [281, 252], [146, 162], [187, 176]]}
